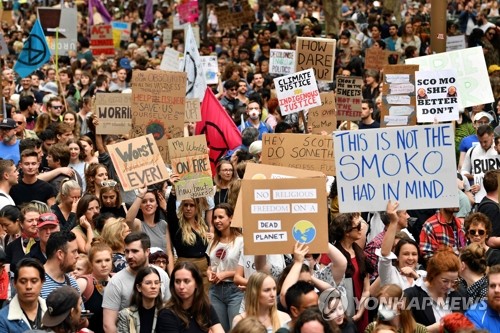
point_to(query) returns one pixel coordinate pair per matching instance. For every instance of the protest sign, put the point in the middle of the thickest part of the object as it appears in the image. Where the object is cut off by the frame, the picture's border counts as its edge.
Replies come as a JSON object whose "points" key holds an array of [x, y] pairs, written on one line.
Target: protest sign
{"points": [[7, 16], [376, 58], [210, 68], [158, 102], [297, 92], [480, 166], [138, 162], [193, 111], [322, 118], [236, 15], [454, 43], [348, 98], [318, 54], [437, 96], [282, 62], [167, 36], [256, 171], [60, 24], [101, 41], [114, 113], [121, 32], [188, 11], [308, 152], [409, 164], [281, 212], [398, 96], [472, 75], [170, 60], [4, 49], [189, 159]]}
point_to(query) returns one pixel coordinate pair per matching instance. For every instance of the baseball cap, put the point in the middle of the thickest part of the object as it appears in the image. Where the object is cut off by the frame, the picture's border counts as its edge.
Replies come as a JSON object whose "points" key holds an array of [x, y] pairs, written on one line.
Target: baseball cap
{"points": [[482, 114], [125, 63], [8, 123], [493, 68], [47, 219], [59, 304]]}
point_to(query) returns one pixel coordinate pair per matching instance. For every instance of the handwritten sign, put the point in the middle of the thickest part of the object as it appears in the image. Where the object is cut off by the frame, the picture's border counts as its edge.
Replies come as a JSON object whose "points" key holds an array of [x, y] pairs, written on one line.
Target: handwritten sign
{"points": [[297, 92], [308, 152], [158, 103], [376, 58], [114, 113], [281, 212], [167, 36], [170, 60], [454, 43], [189, 158], [210, 68], [472, 75], [398, 96], [138, 162], [101, 41], [480, 166], [282, 62], [323, 118], [410, 164], [437, 96], [349, 97], [316, 53], [234, 17], [193, 112]]}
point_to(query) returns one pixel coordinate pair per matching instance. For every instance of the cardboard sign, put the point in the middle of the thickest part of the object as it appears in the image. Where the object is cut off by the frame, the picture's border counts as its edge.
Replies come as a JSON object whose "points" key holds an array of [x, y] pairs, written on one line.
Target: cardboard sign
{"points": [[437, 96], [376, 58], [282, 62], [101, 41], [349, 97], [472, 75], [240, 13], [170, 60], [297, 92], [281, 212], [114, 113], [189, 158], [7, 16], [167, 36], [158, 103], [138, 162], [121, 32], [316, 53], [210, 68], [4, 49], [308, 152], [193, 112], [409, 164], [454, 43], [479, 167], [63, 19], [323, 118], [398, 96], [256, 171]]}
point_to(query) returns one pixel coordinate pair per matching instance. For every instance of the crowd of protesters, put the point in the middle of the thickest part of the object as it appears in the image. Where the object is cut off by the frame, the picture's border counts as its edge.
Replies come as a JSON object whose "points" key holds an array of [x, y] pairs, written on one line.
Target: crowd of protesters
{"points": [[75, 244]]}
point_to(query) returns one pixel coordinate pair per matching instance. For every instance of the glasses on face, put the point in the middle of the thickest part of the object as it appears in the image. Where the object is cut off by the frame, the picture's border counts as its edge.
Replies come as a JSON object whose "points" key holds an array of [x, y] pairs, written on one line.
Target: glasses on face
{"points": [[233, 89], [447, 281], [57, 107], [19, 122], [226, 170], [476, 232], [109, 183], [160, 262]]}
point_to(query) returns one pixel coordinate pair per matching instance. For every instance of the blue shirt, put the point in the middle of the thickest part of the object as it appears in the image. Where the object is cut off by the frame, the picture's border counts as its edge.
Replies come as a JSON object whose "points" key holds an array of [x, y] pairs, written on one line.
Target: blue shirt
{"points": [[263, 128], [10, 152], [482, 316], [468, 142]]}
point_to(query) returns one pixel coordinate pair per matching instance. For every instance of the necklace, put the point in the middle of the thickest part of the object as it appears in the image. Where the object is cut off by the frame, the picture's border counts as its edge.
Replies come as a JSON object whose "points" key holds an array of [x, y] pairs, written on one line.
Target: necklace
{"points": [[225, 195]]}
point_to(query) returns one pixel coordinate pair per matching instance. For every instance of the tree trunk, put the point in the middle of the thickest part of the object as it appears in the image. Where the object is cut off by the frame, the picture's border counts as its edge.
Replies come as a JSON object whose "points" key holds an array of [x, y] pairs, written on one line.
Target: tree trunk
{"points": [[331, 10]]}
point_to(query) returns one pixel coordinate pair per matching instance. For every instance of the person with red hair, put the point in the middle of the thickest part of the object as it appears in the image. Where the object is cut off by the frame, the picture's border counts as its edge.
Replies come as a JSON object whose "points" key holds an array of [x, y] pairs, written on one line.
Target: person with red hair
{"points": [[453, 322]]}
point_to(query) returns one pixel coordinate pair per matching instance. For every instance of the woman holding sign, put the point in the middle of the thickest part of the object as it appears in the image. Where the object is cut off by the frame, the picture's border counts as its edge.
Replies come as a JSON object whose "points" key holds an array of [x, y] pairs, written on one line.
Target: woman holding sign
{"points": [[145, 215]]}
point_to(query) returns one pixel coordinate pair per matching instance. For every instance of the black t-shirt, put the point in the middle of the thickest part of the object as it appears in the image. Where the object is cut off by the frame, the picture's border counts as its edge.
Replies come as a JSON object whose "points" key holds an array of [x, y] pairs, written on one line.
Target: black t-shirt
{"points": [[375, 124], [146, 318], [168, 321], [14, 252], [39, 190]]}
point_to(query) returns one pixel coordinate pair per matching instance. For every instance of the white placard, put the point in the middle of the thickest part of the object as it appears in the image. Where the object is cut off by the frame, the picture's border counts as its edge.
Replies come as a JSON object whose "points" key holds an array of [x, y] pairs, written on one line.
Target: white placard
{"points": [[282, 62], [210, 68], [454, 43], [170, 60]]}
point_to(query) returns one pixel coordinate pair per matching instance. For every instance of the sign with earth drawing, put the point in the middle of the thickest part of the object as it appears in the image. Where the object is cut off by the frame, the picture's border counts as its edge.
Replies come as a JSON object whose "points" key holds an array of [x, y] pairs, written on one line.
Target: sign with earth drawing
{"points": [[281, 212]]}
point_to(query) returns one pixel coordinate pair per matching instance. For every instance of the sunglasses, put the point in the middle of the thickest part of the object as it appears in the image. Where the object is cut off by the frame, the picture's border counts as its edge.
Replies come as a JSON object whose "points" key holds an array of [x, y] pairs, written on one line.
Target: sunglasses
{"points": [[478, 232], [109, 183], [57, 107], [19, 122], [358, 227]]}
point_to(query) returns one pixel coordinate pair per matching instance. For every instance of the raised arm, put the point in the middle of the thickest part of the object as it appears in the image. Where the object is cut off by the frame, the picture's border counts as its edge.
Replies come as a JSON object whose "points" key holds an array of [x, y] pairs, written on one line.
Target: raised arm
{"points": [[299, 253], [339, 263], [133, 223]]}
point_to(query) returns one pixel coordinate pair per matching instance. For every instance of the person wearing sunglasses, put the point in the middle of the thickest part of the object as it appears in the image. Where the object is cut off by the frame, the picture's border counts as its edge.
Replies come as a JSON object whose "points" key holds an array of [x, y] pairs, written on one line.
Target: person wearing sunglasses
{"points": [[111, 199], [21, 131], [54, 109], [478, 228], [346, 231]]}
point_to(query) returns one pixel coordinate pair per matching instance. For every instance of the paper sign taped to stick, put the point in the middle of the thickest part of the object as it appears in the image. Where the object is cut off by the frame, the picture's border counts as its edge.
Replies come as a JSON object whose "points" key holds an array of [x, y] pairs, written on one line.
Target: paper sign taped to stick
{"points": [[114, 113], [256, 171], [158, 103], [281, 212], [323, 118], [189, 159], [297, 92], [348, 98], [318, 54], [409, 164], [282, 62], [437, 96], [472, 75], [308, 152], [137, 162]]}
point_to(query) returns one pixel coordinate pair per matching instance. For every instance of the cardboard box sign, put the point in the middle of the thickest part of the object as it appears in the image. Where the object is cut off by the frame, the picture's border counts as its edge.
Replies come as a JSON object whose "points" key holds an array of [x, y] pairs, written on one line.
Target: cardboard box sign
{"points": [[114, 113], [318, 54], [138, 162], [280, 212]]}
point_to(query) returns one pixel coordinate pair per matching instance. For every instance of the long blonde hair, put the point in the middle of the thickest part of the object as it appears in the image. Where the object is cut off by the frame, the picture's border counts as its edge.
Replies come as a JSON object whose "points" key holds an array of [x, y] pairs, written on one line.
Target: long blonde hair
{"points": [[252, 296], [188, 236]]}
